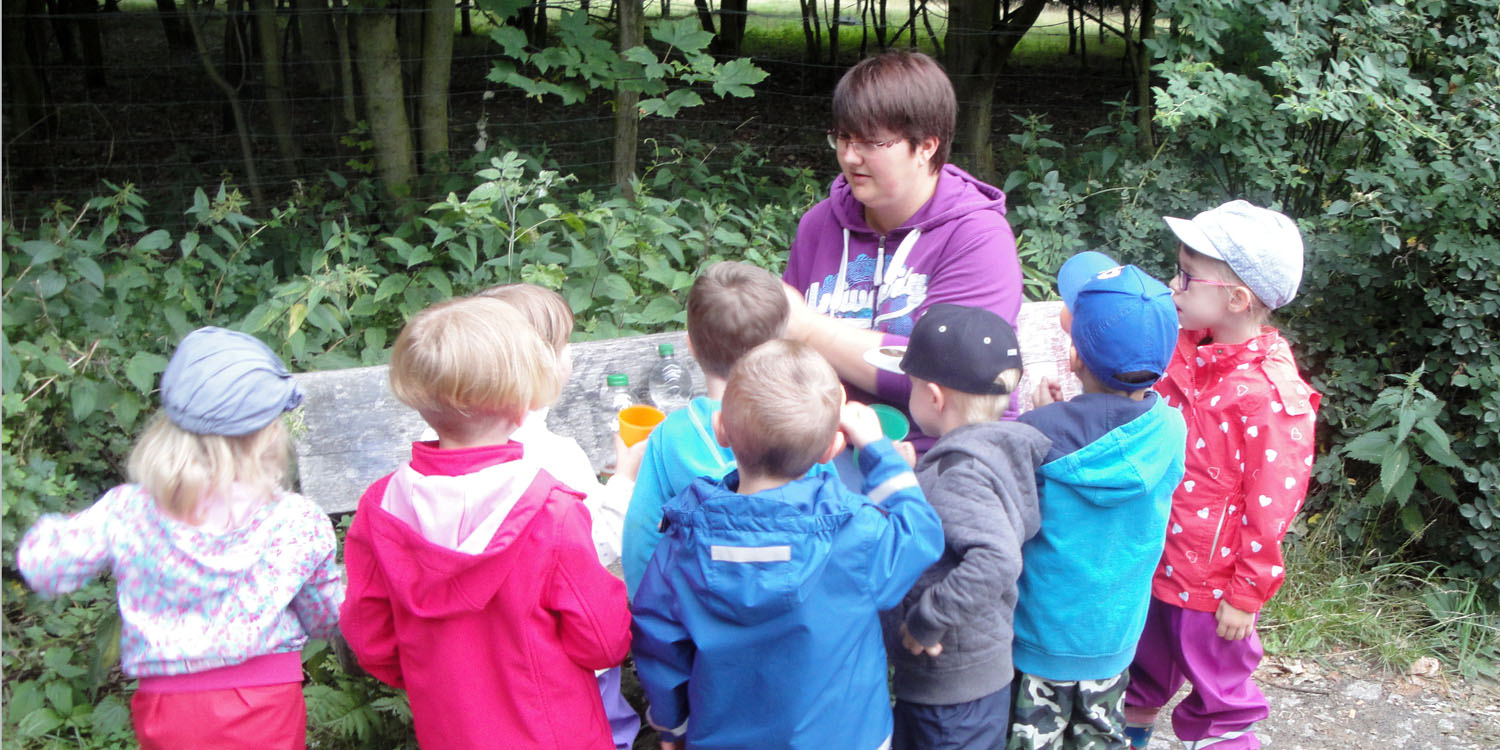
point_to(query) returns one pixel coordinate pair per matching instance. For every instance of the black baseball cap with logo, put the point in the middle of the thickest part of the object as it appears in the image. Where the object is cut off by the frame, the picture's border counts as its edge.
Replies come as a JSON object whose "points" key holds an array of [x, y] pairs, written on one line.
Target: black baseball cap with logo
{"points": [[967, 349]]}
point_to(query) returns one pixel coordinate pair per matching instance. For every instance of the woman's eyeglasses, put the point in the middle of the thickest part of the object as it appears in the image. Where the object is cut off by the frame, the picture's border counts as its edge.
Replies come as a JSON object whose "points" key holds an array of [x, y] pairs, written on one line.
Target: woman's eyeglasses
{"points": [[1185, 279], [838, 140]]}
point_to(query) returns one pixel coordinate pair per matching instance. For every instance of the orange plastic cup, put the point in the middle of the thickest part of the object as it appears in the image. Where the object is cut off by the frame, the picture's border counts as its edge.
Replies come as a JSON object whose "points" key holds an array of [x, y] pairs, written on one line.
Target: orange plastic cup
{"points": [[636, 422]]}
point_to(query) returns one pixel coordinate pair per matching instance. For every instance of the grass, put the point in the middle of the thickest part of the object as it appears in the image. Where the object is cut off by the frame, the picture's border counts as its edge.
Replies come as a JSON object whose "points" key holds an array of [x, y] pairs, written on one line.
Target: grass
{"points": [[1393, 613]]}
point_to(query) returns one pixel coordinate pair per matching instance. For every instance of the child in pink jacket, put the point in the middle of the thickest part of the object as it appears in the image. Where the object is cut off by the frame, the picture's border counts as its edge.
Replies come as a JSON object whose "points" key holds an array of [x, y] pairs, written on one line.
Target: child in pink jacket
{"points": [[473, 578], [1250, 419]]}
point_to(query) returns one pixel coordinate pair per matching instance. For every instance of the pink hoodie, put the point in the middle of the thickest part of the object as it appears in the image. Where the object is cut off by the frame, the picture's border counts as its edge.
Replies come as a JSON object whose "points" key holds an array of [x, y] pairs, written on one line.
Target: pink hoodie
{"points": [[474, 585]]}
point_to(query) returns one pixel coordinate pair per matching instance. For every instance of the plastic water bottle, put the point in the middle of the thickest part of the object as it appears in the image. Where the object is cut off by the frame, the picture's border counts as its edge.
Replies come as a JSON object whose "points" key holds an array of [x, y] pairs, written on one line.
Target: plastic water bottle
{"points": [[669, 384], [614, 397]]}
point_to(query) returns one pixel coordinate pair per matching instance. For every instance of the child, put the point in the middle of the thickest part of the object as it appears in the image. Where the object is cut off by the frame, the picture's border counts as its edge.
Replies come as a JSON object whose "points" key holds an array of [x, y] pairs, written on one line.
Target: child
{"points": [[1106, 488], [473, 580], [221, 574], [564, 459], [1250, 423], [758, 610], [732, 308], [950, 639]]}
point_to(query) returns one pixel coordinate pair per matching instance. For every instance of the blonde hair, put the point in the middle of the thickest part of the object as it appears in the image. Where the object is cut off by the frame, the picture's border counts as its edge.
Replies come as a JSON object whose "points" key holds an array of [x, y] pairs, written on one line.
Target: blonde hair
{"points": [[974, 408], [180, 468], [732, 308], [547, 310], [470, 357], [781, 409]]}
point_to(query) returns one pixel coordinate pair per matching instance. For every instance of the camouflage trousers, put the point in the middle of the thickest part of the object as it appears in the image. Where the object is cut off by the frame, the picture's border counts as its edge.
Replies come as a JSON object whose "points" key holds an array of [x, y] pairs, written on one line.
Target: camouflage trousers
{"points": [[1083, 714]]}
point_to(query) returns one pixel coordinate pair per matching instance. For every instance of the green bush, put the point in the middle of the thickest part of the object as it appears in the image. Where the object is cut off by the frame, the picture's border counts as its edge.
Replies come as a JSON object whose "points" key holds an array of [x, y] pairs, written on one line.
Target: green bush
{"points": [[1374, 125]]}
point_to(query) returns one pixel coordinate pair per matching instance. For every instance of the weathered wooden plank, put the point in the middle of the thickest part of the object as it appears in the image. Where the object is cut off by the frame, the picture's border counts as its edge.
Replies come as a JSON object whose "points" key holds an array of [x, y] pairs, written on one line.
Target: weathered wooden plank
{"points": [[354, 431]]}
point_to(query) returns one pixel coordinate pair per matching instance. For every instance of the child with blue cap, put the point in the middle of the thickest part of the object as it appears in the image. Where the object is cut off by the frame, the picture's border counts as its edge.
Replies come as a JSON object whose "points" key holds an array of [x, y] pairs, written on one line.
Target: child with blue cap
{"points": [[1105, 492], [221, 574]]}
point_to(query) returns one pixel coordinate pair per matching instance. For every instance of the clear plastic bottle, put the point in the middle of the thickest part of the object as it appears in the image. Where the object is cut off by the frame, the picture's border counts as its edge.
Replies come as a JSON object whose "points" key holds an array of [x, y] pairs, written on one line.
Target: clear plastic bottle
{"points": [[669, 384], [614, 397]]}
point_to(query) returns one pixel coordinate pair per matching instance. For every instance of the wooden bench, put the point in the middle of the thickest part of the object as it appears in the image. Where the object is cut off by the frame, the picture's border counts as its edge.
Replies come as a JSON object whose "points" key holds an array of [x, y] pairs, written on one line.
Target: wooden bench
{"points": [[353, 431]]}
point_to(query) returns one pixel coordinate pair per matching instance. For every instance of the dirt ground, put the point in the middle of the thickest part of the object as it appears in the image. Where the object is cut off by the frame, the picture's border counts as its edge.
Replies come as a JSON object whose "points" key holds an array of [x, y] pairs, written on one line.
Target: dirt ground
{"points": [[1338, 701]]}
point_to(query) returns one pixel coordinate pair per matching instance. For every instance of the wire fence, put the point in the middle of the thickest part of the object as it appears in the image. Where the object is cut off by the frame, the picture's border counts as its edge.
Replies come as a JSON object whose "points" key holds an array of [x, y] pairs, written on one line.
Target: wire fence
{"points": [[158, 121]]}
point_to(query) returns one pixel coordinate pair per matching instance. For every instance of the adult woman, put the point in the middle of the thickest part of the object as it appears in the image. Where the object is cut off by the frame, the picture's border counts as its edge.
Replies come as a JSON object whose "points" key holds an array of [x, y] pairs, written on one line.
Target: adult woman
{"points": [[900, 230]]}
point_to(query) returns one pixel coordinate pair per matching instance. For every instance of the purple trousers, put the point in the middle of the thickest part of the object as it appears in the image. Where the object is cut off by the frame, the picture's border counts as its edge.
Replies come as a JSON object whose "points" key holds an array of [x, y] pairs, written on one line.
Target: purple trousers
{"points": [[624, 722], [1183, 645]]}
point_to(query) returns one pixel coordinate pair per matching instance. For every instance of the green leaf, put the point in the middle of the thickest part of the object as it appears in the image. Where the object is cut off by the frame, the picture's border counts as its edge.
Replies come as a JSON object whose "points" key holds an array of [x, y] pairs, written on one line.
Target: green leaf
{"points": [[390, 285], [50, 283], [260, 318], [110, 716], [41, 251], [60, 695], [685, 34], [90, 271], [126, 410], [295, 315], [85, 396], [24, 698], [1437, 444], [38, 723], [1411, 519], [1369, 447], [735, 77], [143, 368], [10, 365], [157, 240], [1437, 480], [439, 281], [615, 287], [660, 310], [1393, 466]]}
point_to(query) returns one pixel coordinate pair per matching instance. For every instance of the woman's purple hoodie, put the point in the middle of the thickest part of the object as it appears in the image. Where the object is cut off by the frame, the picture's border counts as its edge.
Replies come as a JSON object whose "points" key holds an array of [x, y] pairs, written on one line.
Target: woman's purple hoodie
{"points": [[956, 248]]}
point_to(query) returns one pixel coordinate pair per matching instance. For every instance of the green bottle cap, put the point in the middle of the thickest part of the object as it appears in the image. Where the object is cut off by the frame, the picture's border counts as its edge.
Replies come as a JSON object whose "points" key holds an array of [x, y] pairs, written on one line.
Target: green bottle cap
{"points": [[617, 378], [665, 350]]}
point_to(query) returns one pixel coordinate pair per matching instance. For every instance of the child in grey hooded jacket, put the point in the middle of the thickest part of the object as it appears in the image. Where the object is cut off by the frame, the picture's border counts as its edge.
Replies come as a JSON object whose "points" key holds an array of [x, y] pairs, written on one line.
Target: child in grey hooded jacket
{"points": [[950, 639]]}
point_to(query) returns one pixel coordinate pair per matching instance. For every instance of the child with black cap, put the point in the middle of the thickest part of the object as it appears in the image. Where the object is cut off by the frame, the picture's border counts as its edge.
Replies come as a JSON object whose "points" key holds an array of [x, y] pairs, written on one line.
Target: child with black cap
{"points": [[950, 638], [221, 574], [1106, 490]]}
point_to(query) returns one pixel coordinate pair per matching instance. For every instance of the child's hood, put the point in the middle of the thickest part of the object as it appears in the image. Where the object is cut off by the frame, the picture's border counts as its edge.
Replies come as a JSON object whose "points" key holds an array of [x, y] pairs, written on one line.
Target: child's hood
{"points": [[958, 194], [1128, 461], [1006, 449], [450, 540], [751, 558]]}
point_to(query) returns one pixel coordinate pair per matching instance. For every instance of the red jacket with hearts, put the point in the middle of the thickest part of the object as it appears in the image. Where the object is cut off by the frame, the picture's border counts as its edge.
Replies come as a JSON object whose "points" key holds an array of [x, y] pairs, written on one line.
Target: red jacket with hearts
{"points": [[1250, 420]]}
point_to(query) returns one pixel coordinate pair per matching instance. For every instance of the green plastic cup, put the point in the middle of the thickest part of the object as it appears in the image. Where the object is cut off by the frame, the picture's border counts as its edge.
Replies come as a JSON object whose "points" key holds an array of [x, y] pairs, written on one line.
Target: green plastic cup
{"points": [[892, 422]]}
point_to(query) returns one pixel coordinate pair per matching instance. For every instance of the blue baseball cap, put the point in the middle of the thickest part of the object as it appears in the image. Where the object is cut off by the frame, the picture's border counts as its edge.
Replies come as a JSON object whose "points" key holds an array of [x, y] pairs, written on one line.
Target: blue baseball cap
{"points": [[1080, 270], [1124, 321], [223, 382]]}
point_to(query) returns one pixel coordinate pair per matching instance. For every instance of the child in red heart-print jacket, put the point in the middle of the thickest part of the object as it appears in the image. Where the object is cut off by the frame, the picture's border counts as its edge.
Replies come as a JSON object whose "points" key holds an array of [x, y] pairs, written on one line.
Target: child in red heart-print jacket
{"points": [[1250, 419]]}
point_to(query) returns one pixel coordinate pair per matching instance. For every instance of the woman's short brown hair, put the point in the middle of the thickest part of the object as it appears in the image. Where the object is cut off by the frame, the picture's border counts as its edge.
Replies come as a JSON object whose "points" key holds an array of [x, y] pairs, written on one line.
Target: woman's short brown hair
{"points": [[781, 409], [906, 93]]}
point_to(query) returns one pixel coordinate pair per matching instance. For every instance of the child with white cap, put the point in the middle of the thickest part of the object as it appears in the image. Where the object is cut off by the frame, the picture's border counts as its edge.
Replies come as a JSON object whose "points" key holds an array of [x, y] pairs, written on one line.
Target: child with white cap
{"points": [[1106, 489], [1250, 419], [221, 574]]}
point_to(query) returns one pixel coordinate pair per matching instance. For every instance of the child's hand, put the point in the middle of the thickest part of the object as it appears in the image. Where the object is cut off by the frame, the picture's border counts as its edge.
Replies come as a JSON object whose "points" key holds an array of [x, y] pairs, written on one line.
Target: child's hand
{"points": [[915, 646], [672, 744], [1234, 624], [628, 458], [860, 424], [798, 313], [1047, 391], [907, 451]]}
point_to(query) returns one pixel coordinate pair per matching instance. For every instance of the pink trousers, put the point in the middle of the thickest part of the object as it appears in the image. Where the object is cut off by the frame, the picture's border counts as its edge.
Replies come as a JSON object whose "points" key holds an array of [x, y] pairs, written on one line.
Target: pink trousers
{"points": [[1183, 645], [271, 717]]}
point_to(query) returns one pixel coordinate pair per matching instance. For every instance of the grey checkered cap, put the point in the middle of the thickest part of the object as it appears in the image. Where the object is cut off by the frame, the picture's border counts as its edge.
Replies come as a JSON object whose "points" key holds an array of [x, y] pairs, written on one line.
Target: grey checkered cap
{"points": [[1263, 247]]}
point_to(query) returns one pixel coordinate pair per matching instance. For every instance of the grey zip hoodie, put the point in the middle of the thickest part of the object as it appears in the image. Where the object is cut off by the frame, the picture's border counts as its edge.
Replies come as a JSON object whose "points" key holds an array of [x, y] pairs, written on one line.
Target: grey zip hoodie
{"points": [[981, 480]]}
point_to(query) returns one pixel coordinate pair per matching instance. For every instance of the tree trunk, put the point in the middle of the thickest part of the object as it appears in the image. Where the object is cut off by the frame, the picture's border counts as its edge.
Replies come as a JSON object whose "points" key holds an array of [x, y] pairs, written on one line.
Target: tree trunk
{"points": [[833, 35], [179, 37], [974, 63], [437, 68], [1145, 140], [732, 14], [812, 32], [341, 35], [379, 64], [231, 94], [705, 16], [316, 21], [275, 82], [627, 116]]}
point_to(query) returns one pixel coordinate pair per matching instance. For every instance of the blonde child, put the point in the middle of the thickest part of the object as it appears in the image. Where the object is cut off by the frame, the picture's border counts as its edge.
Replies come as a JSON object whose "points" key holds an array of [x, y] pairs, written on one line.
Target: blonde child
{"points": [[1250, 420], [564, 459], [221, 574], [473, 579]]}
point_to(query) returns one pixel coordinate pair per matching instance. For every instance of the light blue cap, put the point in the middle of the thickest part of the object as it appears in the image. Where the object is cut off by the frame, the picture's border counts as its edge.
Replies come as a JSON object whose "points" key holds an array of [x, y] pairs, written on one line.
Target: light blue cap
{"points": [[1262, 247], [223, 382]]}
